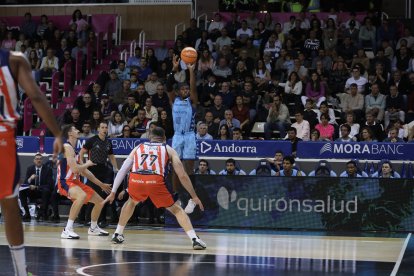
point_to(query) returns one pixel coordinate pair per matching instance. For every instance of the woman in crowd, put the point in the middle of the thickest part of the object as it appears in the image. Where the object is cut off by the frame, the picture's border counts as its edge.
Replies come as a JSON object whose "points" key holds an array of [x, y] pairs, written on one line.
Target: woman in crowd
{"points": [[165, 122], [224, 133], [326, 130], [116, 124], [315, 90], [366, 135]]}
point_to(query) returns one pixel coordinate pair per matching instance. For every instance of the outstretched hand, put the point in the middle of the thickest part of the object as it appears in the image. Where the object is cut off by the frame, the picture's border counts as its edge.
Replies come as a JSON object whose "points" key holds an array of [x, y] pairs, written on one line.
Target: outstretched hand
{"points": [[106, 188], [110, 198]]}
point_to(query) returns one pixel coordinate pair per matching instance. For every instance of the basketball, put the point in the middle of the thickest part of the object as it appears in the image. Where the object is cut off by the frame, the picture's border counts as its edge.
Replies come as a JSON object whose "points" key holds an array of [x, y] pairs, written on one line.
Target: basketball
{"points": [[189, 55]]}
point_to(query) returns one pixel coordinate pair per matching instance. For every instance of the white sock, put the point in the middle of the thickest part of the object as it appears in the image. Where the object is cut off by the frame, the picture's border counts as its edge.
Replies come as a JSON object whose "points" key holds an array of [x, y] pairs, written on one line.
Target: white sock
{"points": [[69, 225], [94, 224], [191, 234], [119, 229], [18, 255]]}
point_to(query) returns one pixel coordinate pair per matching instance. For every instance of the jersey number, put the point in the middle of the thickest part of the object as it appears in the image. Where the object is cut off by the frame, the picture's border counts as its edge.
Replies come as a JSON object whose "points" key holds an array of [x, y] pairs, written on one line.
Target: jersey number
{"points": [[152, 157]]}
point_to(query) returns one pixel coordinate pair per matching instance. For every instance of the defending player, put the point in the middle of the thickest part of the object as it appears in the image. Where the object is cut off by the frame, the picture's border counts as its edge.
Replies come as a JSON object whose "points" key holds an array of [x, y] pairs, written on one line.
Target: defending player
{"points": [[146, 165], [69, 185], [14, 71]]}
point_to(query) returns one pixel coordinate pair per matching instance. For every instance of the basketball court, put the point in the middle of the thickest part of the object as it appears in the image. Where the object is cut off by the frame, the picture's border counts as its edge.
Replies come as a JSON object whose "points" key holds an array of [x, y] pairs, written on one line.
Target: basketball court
{"points": [[150, 250]]}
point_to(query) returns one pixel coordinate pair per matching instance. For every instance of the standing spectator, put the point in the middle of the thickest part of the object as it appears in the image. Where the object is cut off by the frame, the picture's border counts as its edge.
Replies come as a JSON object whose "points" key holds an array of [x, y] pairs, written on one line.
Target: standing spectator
{"points": [[277, 119], [40, 181], [28, 27], [80, 22], [99, 149]]}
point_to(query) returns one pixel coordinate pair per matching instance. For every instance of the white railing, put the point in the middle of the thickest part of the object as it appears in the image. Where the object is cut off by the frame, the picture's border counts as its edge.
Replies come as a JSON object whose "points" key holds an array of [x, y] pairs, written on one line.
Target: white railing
{"points": [[203, 15], [132, 47], [408, 9], [123, 55], [182, 24], [141, 42]]}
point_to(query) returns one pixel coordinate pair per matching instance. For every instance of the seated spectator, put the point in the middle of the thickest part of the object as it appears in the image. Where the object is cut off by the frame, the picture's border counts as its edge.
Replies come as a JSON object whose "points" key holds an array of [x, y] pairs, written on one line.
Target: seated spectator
{"points": [[203, 43], [241, 113], [386, 171], [277, 161], [161, 100], [325, 129], [85, 105], [151, 112], [205, 64], [9, 43], [288, 167], [212, 126], [203, 168], [218, 109], [309, 114], [291, 136], [152, 83], [126, 132], [130, 109], [393, 136], [135, 60], [277, 118], [107, 107], [366, 135], [122, 71], [232, 168], [345, 129], [394, 106], [150, 126], [263, 169], [166, 123], [377, 129], [227, 94], [302, 126], [353, 102], [113, 85], [86, 130], [237, 134], [116, 124], [351, 170], [337, 78], [229, 120], [96, 119], [315, 90], [221, 70], [74, 118], [39, 181], [34, 64], [360, 58], [138, 124], [202, 132], [144, 70], [356, 78], [80, 47], [293, 88], [49, 65], [323, 169], [223, 133], [121, 96], [367, 35], [315, 135]]}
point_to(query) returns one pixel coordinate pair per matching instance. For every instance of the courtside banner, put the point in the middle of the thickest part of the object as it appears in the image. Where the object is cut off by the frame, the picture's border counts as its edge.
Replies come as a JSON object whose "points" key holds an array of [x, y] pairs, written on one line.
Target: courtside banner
{"points": [[334, 204], [243, 148], [375, 151], [27, 144]]}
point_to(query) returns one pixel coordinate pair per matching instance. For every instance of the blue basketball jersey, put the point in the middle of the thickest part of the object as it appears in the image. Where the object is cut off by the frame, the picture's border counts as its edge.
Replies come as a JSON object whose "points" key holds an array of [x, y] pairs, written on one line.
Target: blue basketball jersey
{"points": [[183, 116]]}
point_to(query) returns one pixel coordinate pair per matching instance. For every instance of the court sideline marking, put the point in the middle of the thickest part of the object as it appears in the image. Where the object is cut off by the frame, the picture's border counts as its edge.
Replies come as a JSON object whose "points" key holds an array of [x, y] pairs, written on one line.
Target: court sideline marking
{"points": [[398, 263]]}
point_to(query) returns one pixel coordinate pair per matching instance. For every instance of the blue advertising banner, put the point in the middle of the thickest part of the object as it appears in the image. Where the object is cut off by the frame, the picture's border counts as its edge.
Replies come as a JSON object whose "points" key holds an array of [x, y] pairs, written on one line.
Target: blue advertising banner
{"points": [[27, 144], [123, 146], [244, 148], [375, 151], [315, 203]]}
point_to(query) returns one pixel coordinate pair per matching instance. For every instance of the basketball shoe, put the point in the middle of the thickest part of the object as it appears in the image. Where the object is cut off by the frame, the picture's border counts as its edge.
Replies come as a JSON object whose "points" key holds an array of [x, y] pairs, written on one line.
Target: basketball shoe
{"points": [[118, 238], [69, 234], [97, 231], [198, 244]]}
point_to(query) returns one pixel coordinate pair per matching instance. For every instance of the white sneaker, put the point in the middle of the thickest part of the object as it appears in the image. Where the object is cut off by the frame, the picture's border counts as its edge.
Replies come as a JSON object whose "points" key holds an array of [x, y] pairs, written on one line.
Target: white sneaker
{"points": [[198, 244], [69, 234], [97, 231], [190, 207]]}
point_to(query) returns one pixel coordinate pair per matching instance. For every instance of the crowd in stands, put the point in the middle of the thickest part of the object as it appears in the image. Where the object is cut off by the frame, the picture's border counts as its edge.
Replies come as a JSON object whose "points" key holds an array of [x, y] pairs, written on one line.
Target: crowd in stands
{"points": [[330, 80]]}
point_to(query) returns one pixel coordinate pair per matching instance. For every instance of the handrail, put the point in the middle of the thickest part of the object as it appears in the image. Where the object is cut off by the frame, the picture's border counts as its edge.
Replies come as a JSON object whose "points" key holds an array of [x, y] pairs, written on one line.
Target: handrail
{"points": [[176, 29], [205, 20], [132, 47], [123, 55], [384, 16], [141, 42]]}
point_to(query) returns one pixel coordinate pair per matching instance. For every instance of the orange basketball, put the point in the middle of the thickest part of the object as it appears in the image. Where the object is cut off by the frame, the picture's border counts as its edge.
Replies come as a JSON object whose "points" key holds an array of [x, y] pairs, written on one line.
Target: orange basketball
{"points": [[189, 55]]}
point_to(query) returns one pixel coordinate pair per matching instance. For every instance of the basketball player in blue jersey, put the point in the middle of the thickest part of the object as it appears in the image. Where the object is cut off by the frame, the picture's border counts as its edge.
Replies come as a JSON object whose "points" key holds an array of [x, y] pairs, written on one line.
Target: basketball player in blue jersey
{"points": [[14, 71], [183, 111]]}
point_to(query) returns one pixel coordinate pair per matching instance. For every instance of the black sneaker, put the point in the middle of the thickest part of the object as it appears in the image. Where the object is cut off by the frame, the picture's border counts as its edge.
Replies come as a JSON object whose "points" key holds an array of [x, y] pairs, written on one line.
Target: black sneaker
{"points": [[118, 238], [198, 244]]}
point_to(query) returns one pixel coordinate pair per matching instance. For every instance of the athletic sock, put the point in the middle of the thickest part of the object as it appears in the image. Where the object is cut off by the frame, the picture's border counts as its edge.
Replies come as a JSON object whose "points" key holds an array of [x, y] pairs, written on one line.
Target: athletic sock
{"points": [[69, 225], [18, 254], [191, 234], [119, 229], [94, 224]]}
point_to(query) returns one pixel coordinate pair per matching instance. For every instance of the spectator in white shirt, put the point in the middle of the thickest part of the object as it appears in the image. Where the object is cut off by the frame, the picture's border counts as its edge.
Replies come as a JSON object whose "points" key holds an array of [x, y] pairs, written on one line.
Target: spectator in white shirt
{"points": [[202, 132], [302, 126]]}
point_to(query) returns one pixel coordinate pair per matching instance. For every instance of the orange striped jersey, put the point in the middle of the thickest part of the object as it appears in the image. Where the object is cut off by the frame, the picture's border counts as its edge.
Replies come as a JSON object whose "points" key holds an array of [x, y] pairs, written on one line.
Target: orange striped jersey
{"points": [[151, 158], [63, 169], [9, 98]]}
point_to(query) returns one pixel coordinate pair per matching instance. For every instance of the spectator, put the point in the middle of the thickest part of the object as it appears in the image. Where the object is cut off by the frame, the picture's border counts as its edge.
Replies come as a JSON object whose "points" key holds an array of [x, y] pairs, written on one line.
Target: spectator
{"points": [[74, 118], [144, 70], [393, 136], [28, 27], [350, 120], [292, 137], [375, 103], [288, 167], [231, 168], [135, 60], [402, 60], [107, 107], [229, 121], [152, 60], [122, 71], [151, 112], [193, 33], [130, 109], [113, 85], [315, 90], [138, 124], [346, 50], [166, 123], [218, 109], [80, 47], [85, 105], [86, 130], [367, 34], [227, 95], [241, 113], [39, 179], [34, 64], [121, 96], [152, 83], [326, 130], [221, 70], [315, 135], [49, 65], [126, 132], [202, 132], [353, 102], [309, 114], [243, 33], [367, 135], [205, 64], [212, 126], [277, 119], [96, 119], [223, 40], [337, 78], [277, 161], [386, 171], [160, 100], [223, 133], [325, 109], [351, 170], [141, 95], [394, 106], [150, 126], [203, 168], [345, 130], [356, 78], [116, 124], [237, 134], [360, 58], [80, 22], [203, 43], [302, 126]]}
